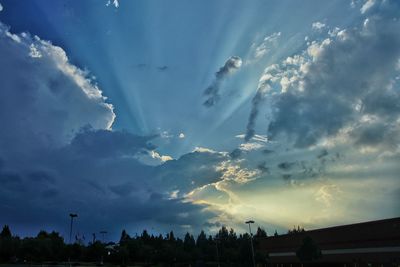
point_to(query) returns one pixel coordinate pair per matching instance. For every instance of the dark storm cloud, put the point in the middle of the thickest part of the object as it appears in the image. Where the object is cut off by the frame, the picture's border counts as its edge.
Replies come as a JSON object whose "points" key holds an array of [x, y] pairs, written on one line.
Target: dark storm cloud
{"points": [[377, 134], [212, 92], [180, 174], [58, 153], [115, 192]]}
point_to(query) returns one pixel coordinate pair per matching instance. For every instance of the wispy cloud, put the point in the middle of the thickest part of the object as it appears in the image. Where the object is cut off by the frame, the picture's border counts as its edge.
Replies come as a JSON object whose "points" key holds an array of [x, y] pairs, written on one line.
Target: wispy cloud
{"points": [[367, 5], [265, 46], [114, 3], [212, 92]]}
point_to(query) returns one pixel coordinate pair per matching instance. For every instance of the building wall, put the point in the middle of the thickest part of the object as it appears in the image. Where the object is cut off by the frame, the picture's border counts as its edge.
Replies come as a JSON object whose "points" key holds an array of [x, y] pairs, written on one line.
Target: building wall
{"points": [[375, 243]]}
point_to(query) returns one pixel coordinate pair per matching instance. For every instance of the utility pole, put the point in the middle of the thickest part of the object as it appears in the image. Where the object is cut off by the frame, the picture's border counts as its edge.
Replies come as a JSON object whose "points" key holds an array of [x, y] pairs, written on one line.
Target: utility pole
{"points": [[251, 241]]}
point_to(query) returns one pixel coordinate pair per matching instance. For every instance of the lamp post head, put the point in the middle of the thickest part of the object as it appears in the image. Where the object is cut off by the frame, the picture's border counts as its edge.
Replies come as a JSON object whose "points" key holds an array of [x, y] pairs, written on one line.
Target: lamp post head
{"points": [[73, 215], [248, 222]]}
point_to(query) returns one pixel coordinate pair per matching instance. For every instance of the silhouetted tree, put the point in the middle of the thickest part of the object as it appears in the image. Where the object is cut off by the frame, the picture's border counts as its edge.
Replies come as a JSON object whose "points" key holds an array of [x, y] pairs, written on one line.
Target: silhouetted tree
{"points": [[6, 232], [171, 237], [7, 245], [146, 249], [261, 233], [296, 230], [188, 242], [124, 238]]}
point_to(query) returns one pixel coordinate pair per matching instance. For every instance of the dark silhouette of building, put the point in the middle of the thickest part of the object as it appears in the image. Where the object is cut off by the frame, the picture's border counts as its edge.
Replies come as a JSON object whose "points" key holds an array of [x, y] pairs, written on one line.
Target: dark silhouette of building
{"points": [[374, 243]]}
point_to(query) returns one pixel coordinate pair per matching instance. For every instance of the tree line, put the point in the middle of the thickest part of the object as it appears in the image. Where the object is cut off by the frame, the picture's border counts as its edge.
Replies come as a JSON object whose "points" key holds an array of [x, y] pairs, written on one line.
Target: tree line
{"points": [[222, 249], [225, 247]]}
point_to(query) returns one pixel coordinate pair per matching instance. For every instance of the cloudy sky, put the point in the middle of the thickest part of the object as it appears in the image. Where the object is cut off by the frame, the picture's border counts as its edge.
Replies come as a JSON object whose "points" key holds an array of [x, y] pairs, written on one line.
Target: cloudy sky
{"points": [[187, 115]]}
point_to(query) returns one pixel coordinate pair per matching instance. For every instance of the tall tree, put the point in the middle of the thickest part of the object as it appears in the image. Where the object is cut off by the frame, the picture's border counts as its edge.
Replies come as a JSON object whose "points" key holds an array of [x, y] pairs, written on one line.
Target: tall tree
{"points": [[261, 233], [6, 232]]}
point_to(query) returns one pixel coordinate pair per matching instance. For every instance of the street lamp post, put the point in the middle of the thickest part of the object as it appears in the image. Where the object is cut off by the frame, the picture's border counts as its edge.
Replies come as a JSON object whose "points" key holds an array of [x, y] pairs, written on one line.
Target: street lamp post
{"points": [[72, 215], [251, 241], [103, 233]]}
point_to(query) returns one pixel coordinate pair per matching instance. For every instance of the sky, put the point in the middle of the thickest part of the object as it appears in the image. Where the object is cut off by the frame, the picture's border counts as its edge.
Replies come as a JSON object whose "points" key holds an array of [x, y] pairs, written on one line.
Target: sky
{"points": [[188, 115]]}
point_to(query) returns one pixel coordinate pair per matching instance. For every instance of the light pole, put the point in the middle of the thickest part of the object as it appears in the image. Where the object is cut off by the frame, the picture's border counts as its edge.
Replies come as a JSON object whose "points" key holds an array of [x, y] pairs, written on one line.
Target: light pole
{"points": [[251, 241], [103, 233], [72, 215]]}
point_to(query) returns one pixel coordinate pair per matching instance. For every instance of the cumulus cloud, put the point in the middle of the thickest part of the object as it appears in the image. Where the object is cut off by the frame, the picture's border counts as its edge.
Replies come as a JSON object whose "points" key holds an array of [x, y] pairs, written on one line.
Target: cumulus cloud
{"points": [[101, 176], [1, 7], [49, 99], [212, 92], [58, 152], [334, 86]]}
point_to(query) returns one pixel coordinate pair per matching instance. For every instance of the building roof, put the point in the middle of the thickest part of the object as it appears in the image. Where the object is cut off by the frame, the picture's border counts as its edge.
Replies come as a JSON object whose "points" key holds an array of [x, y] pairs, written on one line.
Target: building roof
{"points": [[381, 233]]}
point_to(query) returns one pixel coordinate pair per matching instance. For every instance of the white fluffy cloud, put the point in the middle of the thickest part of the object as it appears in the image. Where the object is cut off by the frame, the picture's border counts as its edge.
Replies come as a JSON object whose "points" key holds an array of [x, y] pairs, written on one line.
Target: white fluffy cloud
{"points": [[45, 100], [334, 84]]}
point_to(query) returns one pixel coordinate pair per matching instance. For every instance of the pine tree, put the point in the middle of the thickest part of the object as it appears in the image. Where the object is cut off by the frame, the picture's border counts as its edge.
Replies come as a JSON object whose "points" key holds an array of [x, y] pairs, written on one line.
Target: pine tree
{"points": [[6, 232]]}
